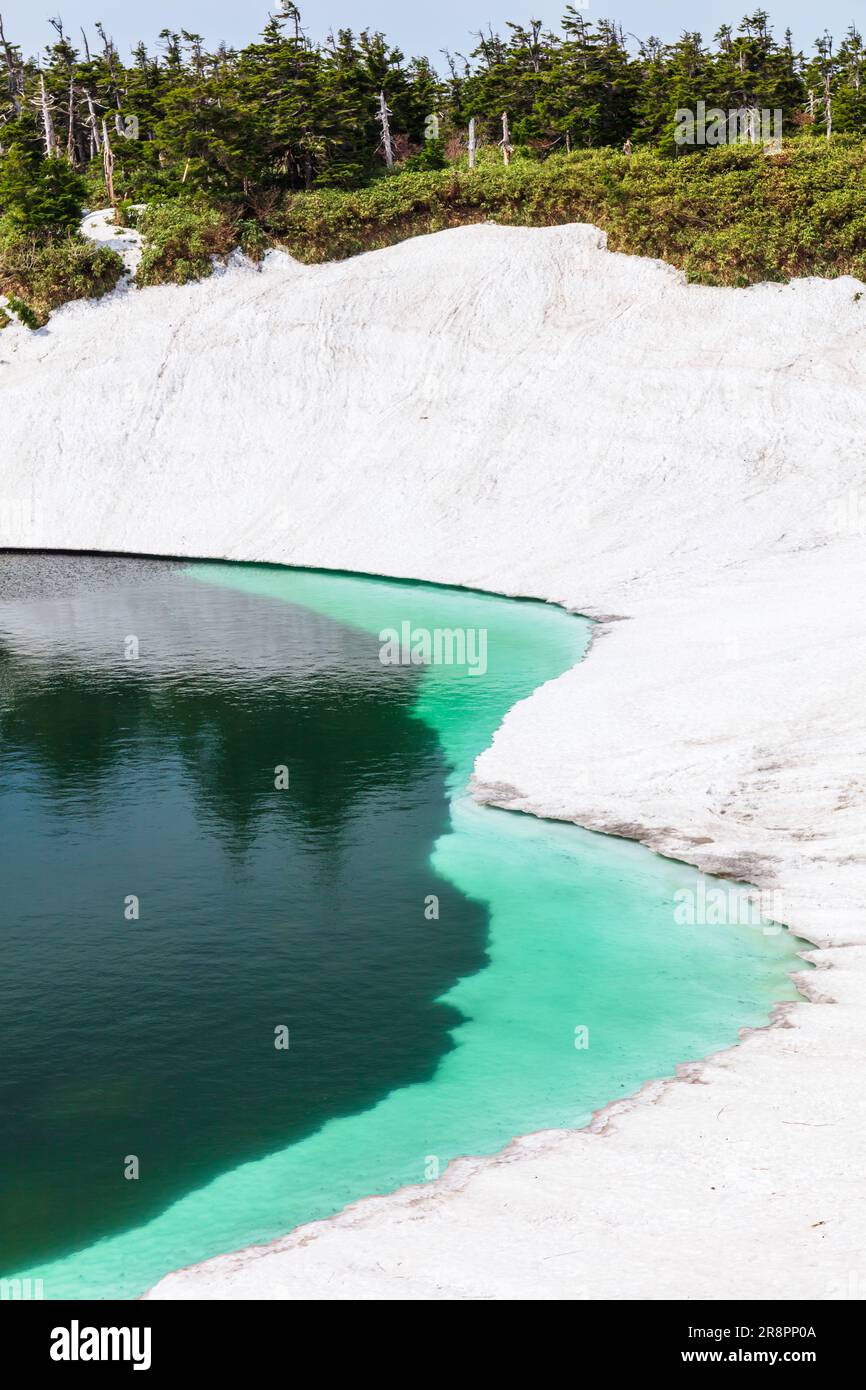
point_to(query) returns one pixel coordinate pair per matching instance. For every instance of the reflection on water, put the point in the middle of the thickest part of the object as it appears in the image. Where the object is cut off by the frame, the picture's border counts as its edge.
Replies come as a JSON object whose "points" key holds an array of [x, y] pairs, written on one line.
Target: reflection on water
{"points": [[155, 778], [413, 1039]]}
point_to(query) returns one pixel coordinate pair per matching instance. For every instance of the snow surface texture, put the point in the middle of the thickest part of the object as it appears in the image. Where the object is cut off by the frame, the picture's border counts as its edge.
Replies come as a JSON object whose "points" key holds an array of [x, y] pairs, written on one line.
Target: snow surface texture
{"points": [[521, 411], [99, 226]]}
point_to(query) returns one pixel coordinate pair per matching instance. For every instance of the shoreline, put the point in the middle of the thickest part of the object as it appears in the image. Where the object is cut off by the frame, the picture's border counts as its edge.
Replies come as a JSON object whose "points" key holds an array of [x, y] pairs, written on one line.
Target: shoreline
{"points": [[698, 490], [224, 1268], [219, 1273], [507, 1066], [232, 1273]]}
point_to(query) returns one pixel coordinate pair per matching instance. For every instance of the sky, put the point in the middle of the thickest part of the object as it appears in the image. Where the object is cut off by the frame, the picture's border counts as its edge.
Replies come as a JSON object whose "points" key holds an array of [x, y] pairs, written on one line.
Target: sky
{"points": [[416, 27]]}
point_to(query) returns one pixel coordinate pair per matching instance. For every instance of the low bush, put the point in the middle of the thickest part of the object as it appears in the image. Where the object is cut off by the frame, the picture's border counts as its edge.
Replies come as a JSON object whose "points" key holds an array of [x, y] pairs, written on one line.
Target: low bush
{"points": [[39, 275], [730, 216], [181, 238]]}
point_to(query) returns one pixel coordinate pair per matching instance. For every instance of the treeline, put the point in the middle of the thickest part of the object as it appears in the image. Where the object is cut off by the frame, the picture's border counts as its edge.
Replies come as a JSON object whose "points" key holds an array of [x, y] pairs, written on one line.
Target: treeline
{"points": [[248, 125], [333, 148]]}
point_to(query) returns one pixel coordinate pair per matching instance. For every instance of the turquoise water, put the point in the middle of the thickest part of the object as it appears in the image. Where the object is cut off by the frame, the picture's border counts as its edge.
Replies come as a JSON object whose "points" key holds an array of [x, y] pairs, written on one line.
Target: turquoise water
{"points": [[581, 943]]}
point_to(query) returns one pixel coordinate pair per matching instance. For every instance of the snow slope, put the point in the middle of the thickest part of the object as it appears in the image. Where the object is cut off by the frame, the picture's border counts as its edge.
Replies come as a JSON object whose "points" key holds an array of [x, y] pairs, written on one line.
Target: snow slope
{"points": [[519, 410]]}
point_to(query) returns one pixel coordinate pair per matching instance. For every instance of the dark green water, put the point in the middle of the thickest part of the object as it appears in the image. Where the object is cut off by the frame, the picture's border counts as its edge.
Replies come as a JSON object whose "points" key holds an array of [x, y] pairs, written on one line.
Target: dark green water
{"points": [[412, 1040]]}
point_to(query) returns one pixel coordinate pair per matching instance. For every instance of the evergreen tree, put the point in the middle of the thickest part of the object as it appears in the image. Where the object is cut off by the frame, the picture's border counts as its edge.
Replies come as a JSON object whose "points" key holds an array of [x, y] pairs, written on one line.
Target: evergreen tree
{"points": [[39, 195], [246, 127]]}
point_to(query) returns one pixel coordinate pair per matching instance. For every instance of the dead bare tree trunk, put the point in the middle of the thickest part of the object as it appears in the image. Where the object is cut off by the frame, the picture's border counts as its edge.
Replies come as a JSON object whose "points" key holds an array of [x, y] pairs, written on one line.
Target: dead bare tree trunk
{"points": [[108, 167], [828, 105], [47, 120], [505, 143], [110, 55], [472, 143], [383, 119], [95, 143], [70, 138], [86, 44], [15, 84]]}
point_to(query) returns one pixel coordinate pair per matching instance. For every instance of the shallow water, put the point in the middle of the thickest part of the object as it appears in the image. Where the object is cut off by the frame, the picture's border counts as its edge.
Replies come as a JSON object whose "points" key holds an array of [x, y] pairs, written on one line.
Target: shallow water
{"points": [[416, 1034]]}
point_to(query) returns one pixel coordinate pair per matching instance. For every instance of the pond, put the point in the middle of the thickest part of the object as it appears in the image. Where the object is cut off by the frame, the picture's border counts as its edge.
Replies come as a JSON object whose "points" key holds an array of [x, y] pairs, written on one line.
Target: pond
{"points": [[261, 954]]}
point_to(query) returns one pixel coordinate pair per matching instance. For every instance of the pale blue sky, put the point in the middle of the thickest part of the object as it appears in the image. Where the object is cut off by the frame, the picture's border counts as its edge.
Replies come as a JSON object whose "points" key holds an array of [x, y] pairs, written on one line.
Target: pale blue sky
{"points": [[418, 28]]}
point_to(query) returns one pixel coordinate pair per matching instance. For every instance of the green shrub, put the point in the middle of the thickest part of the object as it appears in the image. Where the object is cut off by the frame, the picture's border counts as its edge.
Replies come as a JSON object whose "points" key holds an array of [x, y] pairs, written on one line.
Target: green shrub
{"points": [[432, 156], [181, 238], [725, 216], [40, 275], [344, 173], [130, 214], [729, 216], [28, 316], [329, 224], [253, 239]]}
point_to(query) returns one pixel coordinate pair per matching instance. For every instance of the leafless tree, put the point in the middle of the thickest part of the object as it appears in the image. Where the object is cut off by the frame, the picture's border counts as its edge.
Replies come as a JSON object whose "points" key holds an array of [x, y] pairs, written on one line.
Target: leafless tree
{"points": [[45, 104], [505, 143], [383, 117], [14, 73], [108, 167]]}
